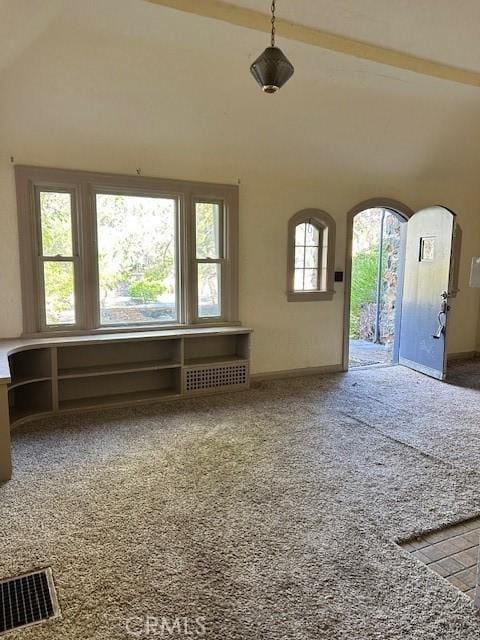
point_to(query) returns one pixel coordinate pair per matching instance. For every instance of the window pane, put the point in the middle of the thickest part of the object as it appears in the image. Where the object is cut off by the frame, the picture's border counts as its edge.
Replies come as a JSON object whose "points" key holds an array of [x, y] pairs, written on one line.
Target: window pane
{"points": [[299, 257], [311, 280], [56, 223], [311, 257], [300, 235], [312, 236], [208, 230], [136, 259], [59, 293], [209, 290], [298, 280]]}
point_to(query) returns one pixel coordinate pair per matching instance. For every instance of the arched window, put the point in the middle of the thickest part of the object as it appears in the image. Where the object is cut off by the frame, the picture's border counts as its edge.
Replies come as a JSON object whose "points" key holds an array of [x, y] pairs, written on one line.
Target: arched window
{"points": [[311, 246]]}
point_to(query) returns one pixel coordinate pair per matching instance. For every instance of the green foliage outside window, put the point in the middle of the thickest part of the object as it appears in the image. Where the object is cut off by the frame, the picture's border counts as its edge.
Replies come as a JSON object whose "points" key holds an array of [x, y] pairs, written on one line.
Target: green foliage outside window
{"points": [[364, 283], [56, 237], [136, 249], [146, 290]]}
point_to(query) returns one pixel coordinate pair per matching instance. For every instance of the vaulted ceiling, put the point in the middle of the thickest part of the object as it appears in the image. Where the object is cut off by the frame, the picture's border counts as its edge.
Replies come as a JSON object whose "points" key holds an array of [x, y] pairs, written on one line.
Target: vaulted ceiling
{"points": [[132, 75], [437, 30], [441, 30]]}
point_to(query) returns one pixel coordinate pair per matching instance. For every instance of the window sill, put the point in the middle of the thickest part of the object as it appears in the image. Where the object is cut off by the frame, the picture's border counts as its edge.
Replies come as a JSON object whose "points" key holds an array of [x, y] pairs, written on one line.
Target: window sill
{"points": [[130, 329], [309, 296]]}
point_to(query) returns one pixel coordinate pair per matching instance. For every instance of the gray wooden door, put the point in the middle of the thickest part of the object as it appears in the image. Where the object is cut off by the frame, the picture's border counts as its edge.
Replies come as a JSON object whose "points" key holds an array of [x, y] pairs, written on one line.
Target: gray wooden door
{"points": [[428, 260]]}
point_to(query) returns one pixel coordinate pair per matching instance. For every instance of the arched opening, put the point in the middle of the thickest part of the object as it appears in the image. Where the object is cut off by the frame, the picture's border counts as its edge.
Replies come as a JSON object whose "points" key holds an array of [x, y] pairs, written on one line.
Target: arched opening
{"points": [[374, 282]]}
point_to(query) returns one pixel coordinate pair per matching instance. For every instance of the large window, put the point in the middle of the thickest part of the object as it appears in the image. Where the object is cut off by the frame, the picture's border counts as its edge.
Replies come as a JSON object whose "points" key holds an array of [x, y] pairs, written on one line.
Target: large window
{"points": [[311, 246], [137, 259], [105, 252]]}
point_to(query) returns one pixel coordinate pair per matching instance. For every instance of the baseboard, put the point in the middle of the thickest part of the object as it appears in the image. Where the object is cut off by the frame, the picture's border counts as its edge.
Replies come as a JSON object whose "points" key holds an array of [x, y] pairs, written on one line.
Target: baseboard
{"points": [[463, 355], [336, 368], [295, 373]]}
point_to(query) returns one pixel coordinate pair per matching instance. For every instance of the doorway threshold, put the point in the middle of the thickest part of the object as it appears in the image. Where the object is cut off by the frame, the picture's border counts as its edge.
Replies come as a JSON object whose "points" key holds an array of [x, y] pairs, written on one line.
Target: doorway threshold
{"points": [[365, 353]]}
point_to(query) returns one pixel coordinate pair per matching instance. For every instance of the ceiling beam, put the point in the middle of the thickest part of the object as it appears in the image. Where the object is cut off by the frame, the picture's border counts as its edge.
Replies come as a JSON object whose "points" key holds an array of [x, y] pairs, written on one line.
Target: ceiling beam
{"points": [[258, 21]]}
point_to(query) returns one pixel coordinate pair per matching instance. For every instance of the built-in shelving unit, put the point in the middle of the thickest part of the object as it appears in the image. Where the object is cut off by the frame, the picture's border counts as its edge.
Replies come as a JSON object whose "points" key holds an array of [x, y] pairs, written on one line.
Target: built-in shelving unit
{"points": [[69, 374]]}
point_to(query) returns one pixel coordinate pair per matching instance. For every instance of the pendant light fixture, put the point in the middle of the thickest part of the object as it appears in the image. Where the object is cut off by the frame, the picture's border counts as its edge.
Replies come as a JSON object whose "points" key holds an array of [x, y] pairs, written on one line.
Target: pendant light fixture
{"points": [[272, 68]]}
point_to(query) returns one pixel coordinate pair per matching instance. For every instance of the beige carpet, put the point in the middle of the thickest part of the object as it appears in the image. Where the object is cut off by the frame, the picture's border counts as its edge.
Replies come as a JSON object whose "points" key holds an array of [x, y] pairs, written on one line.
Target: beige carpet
{"points": [[268, 514]]}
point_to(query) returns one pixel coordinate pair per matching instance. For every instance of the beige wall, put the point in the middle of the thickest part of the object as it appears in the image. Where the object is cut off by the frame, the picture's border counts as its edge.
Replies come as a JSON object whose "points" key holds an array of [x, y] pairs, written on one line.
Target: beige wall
{"points": [[294, 335], [112, 90]]}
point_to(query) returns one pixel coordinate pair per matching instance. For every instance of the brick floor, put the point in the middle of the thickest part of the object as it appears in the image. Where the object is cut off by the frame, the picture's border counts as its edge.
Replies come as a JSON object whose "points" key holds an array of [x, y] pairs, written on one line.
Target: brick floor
{"points": [[452, 553]]}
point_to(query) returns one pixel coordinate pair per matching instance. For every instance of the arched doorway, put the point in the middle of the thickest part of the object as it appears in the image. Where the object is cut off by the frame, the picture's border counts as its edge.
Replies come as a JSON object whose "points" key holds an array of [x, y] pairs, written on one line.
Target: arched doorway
{"points": [[374, 281]]}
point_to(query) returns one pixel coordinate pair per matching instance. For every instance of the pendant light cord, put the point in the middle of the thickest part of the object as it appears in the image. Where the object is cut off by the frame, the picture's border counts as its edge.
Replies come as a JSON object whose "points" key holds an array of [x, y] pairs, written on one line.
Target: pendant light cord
{"points": [[273, 23]]}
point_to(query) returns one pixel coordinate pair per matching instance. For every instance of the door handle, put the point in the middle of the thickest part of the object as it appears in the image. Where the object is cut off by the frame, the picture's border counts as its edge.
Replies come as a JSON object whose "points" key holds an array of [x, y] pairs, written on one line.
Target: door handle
{"points": [[442, 317]]}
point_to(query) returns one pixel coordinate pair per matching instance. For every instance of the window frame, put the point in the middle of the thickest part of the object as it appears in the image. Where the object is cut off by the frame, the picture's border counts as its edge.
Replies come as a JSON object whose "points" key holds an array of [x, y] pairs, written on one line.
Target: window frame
{"points": [[222, 260], [179, 238], [41, 259], [84, 187], [326, 256]]}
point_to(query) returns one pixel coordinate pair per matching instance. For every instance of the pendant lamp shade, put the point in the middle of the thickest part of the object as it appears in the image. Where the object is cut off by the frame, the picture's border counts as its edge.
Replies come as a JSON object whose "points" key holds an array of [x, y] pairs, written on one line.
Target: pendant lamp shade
{"points": [[272, 69]]}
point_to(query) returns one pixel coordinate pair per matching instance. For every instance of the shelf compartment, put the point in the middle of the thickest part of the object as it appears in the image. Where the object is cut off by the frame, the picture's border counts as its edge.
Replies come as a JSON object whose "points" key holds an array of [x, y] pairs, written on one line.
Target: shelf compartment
{"points": [[118, 388], [216, 349], [30, 399], [97, 358], [104, 369], [34, 365], [117, 399], [21, 381]]}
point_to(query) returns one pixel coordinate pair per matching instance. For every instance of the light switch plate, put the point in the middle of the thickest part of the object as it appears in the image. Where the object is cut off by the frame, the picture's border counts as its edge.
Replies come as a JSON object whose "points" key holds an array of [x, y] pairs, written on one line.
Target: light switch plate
{"points": [[475, 272]]}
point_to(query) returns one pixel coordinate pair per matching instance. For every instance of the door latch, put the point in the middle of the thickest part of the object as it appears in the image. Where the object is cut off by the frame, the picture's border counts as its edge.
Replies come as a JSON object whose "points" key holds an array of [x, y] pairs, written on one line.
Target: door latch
{"points": [[442, 317]]}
